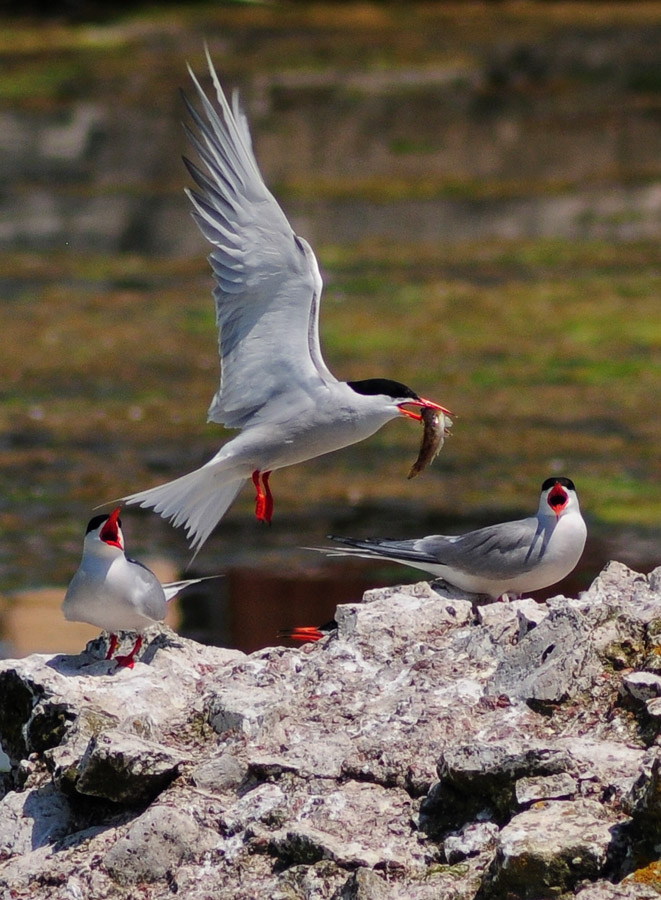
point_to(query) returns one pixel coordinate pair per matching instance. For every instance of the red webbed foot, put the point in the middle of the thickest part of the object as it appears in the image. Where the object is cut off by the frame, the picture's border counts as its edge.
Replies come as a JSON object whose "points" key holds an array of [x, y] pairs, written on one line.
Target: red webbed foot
{"points": [[128, 661]]}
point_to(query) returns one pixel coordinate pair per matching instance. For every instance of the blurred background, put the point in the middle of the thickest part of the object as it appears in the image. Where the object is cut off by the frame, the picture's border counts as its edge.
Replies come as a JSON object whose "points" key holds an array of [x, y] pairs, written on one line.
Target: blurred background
{"points": [[481, 183]]}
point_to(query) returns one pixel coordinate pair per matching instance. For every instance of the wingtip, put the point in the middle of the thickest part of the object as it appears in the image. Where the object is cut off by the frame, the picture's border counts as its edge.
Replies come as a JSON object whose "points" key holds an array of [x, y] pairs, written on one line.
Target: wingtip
{"points": [[214, 75], [207, 53], [339, 539]]}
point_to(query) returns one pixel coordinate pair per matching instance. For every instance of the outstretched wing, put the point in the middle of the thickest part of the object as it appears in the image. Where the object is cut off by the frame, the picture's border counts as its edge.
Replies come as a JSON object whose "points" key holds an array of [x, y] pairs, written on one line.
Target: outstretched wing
{"points": [[268, 285]]}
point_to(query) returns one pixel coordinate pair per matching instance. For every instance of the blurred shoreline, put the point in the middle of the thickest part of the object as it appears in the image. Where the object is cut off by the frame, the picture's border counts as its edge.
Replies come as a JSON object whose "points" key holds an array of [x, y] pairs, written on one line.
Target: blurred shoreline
{"points": [[482, 186]]}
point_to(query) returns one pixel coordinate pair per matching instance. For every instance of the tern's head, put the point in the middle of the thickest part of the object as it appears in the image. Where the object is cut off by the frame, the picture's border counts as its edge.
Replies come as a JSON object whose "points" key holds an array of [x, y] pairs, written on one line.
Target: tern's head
{"points": [[105, 532], [558, 497], [397, 393]]}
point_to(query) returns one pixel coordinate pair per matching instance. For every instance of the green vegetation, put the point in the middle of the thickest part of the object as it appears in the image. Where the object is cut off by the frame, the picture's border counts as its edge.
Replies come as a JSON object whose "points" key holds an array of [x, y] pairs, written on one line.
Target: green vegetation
{"points": [[548, 352]]}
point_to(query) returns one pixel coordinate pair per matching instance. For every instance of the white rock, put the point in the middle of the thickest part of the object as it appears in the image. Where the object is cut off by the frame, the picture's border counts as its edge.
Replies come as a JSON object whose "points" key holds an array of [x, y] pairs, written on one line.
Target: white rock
{"points": [[642, 686], [286, 769], [551, 847], [545, 787], [471, 840]]}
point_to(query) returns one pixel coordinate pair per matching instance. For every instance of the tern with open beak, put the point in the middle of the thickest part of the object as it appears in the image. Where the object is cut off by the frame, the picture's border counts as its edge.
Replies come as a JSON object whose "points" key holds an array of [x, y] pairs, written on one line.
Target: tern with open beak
{"points": [[114, 592], [274, 384], [500, 560]]}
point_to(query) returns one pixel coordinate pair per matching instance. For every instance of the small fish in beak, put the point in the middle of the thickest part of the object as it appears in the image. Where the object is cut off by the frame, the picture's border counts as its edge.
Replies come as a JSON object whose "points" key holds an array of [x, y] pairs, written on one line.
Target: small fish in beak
{"points": [[436, 428]]}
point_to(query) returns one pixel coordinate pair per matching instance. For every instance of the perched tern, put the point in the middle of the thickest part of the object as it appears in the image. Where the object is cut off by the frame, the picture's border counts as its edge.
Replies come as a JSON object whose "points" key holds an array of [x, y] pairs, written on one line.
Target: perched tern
{"points": [[499, 560], [115, 592], [275, 386]]}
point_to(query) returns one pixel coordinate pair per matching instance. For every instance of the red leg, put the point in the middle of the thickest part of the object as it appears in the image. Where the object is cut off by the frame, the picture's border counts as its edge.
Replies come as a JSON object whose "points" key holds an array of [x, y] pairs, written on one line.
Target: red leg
{"points": [[114, 640], [260, 499], [264, 498], [268, 511], [129, 660]]}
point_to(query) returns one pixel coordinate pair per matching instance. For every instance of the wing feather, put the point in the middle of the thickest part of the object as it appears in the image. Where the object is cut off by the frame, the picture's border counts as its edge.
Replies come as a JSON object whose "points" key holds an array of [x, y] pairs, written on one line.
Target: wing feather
{"points": [[267, 282], [497, 551]]}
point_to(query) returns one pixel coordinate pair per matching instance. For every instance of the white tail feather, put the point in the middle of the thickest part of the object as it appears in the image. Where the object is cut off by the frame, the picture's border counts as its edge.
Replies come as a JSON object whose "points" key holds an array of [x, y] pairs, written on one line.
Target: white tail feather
{"points": [[172, 588], [363, 552], [198, 500]]}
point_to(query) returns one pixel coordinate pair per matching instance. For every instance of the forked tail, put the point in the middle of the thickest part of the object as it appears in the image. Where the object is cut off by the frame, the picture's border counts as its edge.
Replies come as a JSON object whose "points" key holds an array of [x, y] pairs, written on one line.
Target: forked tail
{"points": [[198, 500], [172, 588]]}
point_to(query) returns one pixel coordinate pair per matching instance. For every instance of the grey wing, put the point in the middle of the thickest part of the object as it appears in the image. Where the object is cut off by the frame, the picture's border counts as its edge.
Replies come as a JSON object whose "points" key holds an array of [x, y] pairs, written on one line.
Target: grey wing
{"points": [[497, 551], [268, 285], [150, 597]]}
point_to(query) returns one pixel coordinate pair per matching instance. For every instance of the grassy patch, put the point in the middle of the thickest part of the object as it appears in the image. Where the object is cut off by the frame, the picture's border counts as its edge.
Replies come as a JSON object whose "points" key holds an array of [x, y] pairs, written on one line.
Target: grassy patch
{"points": [[548, 353]]}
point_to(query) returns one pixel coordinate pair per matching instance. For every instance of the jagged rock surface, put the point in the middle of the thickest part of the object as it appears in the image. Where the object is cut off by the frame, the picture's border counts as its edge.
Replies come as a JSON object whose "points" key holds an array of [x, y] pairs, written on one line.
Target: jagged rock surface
{"points": [[430, 748]]}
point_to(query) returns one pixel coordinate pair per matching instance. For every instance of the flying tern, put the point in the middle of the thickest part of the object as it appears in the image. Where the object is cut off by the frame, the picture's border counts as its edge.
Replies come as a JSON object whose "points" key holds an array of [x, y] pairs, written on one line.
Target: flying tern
{"points": [[274, 386], [500, 560], [115, 592]]}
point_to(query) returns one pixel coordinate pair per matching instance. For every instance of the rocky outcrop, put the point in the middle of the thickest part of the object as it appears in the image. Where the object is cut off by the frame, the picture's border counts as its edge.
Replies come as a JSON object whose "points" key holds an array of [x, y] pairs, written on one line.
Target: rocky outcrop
{"points": [[431, 747]]}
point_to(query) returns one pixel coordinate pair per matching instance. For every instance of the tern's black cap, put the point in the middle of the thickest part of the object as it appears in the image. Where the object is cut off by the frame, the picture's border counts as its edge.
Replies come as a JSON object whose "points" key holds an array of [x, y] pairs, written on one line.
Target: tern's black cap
{"points": [[559, 479], [94, 523], [385, 386]]}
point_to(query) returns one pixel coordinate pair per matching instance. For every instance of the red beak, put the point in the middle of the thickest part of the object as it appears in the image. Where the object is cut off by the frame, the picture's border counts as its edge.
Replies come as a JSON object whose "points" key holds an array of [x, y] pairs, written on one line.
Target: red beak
{"points": [[308, 633], [110, 531], [558, 498], [422, 403], [305, 633]]}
